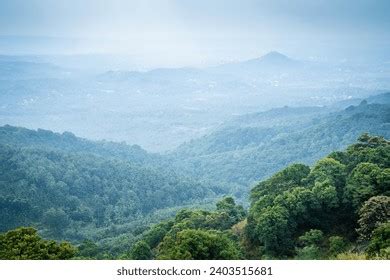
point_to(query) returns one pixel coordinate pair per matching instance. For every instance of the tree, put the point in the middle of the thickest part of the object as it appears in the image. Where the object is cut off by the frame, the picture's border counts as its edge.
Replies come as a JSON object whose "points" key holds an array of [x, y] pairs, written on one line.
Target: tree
{"points": [[379, 245], [56, 220], [25, 244], [312, 237], [363, 183], [311, 252], [298, 201], [383, 180], [329, 169], [337, 245], [370, 141], [311, 244], [141, 251], [156, 234], [274, 232], [15, 212], [290, 177], [235, 213], [373, 212], [88, 250], [198, 244], [326, 195]]}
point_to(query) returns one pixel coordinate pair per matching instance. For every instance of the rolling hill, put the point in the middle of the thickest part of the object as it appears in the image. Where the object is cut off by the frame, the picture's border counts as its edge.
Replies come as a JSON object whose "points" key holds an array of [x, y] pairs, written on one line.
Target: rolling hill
{"points": [[75, 189], [251, 147]]}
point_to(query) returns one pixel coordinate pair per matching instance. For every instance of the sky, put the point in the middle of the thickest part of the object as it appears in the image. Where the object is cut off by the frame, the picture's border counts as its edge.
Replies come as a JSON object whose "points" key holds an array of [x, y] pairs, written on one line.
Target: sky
{"points": [[197, 31]]}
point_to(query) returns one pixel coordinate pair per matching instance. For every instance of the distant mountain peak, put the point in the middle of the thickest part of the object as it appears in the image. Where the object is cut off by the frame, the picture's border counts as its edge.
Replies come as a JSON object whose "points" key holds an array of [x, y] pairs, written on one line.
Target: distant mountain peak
{"points": [[271, 59], [274, 56]]}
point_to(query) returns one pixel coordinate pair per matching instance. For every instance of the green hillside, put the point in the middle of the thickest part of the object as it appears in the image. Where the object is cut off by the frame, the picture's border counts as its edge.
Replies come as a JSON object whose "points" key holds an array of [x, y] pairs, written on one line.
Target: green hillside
{"points": [[69, 143], [254, 146], [77, 196], [337, 209]]}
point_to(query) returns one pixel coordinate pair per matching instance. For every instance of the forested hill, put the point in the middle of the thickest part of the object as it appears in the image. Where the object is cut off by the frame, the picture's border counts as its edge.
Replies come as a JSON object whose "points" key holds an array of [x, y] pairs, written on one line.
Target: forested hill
{"points": [[68, 142], [254, 146], [339, 205], [337, 209], [76, 196]]}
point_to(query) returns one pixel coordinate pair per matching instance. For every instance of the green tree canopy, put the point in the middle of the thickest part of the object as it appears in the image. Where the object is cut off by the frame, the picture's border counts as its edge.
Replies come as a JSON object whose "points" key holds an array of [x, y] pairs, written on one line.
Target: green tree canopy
{"points": [[197, 244], [141, 251], [379, 245], [25, 244], [374, 212], [327, 198]]}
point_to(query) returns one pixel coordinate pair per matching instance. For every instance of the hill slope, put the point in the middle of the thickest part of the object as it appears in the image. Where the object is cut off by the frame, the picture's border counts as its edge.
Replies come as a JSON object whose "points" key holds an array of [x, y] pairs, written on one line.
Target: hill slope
{"points": [[339, 205], [73, 188], [67, 142], [254, 146]]}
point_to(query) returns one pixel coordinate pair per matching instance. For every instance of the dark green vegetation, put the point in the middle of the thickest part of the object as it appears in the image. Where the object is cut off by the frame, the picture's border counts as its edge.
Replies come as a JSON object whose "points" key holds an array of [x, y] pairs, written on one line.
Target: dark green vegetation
{"points": [[46, 183], [253, 147], [25, 243], [194, 234], [339, 208], [317, 212]]}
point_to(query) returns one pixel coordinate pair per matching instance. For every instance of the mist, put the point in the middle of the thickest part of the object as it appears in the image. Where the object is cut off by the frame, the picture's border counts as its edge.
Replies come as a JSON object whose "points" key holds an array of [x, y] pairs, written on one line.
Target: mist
{"points": [[197, 33]]}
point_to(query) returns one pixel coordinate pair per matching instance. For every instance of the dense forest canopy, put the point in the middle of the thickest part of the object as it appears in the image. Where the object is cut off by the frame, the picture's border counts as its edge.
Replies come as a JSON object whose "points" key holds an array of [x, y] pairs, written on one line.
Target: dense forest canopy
{"points": [[25, 243], [79, 196], [338, 208], [332, 198], [68, 142]]}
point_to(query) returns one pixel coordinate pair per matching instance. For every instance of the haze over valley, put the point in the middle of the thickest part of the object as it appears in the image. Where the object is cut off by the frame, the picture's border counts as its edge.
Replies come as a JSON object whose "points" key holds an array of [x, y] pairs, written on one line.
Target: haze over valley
{"points": [[159, 109]]}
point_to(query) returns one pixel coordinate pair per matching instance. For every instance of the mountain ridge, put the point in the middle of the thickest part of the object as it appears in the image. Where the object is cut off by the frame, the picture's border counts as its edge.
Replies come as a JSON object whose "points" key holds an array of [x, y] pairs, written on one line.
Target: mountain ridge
{"points": [[245, 153]]}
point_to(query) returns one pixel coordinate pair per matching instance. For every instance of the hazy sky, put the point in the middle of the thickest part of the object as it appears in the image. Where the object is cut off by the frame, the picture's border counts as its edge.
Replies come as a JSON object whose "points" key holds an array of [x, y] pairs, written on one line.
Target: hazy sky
{"points": [[201, 30]]}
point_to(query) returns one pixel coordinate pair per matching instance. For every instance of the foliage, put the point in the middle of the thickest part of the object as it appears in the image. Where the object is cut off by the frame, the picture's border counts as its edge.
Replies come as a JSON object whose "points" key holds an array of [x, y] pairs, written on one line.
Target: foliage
{"points": [[197, 234], [283, 180], [72, 195], [379, 245], [351, 256], [317, 213], [89, 250], [374, 212], [311, 252], [337, 245], [156, 234], [255, 146], [106, 204], [141, 251], [197, 244], [312, 237], [364, 183], [25, 244], [310, 245]]}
